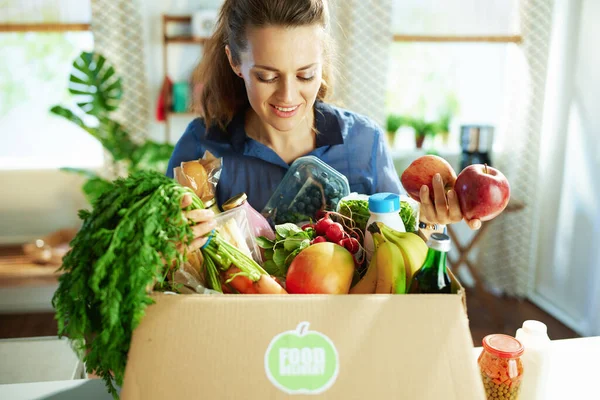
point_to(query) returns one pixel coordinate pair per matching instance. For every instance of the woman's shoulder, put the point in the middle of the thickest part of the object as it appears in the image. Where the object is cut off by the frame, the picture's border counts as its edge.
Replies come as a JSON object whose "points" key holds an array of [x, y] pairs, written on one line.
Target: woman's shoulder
{"points": [[198, 131], [352, 123]]}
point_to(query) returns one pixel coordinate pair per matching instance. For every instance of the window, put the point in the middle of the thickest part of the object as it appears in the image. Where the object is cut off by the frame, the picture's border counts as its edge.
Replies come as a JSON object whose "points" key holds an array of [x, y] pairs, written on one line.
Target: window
{"points": [[34, 74], [448, 66]]}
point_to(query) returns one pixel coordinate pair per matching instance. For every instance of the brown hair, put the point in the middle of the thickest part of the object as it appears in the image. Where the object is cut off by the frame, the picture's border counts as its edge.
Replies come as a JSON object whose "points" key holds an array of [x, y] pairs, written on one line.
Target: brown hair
{"points": [[222, 92]]}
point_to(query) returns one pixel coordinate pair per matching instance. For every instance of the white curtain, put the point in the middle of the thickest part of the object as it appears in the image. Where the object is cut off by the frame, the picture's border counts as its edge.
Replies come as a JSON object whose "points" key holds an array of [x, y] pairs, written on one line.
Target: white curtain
{"points": [[363, 35], [507, 257], [117, 28]]}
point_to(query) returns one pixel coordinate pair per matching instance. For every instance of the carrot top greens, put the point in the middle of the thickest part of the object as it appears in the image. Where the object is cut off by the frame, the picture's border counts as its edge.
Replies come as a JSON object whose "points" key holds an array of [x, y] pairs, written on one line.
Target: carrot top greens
{"points": [[123, 249]]}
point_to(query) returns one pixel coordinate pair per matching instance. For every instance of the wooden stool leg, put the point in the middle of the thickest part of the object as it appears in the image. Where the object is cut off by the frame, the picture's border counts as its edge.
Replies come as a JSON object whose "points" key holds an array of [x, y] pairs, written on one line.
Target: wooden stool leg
{"points": [[486, 296]]}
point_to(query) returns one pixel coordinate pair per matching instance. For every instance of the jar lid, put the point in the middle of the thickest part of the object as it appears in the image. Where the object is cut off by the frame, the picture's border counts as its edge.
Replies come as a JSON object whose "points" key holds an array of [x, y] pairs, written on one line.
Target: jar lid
{"points": [[234, 202], [503, 346], [209, 203], [384, 203]]}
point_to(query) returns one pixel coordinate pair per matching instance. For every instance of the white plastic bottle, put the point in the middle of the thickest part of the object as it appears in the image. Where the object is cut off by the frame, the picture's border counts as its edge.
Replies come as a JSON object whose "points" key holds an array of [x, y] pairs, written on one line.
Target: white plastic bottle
{"points": [[383, 207], [536, 359]]}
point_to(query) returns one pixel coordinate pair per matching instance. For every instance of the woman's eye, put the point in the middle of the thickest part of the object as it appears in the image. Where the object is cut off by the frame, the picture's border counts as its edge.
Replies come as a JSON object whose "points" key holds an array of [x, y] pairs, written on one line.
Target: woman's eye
{"points": [[306, 78], [266, 79]]}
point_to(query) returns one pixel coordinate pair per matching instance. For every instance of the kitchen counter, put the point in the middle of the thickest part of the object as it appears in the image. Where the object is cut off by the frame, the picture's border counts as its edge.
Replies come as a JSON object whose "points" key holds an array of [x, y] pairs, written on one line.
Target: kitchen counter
{"points": [[573, 373]]}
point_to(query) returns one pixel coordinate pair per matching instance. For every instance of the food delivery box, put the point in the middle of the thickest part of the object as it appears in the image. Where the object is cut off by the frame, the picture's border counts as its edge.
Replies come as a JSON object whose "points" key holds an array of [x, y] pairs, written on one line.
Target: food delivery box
{"points": [[303, 346]]}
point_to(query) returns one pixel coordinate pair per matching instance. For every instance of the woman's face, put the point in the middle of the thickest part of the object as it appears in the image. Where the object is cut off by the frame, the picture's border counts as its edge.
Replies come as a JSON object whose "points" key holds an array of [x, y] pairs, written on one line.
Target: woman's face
{"points": [[282, 69]]}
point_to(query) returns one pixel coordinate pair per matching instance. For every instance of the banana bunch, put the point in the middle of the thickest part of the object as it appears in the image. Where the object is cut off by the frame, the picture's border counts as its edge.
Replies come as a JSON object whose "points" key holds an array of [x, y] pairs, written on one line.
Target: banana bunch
{"points": [[397, 256]]}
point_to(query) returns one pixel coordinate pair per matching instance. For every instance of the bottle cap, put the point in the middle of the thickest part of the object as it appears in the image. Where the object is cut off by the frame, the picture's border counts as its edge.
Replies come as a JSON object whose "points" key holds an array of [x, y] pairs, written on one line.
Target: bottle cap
{"points": [[234, 202], [503, 346], [439, 241], [535, 327], [384, 203]]}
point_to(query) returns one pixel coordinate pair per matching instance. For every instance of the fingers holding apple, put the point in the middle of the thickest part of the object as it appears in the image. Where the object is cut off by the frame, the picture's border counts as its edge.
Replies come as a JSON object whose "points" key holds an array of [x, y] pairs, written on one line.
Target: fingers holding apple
{"points": [[444, 209], [479, 193], [422, 171]]}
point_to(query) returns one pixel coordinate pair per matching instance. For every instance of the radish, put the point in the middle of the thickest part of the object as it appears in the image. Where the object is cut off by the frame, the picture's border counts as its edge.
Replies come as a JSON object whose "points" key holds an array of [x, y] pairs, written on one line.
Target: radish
{"points": [[335, 232], [319, 239], [351, 245], [307, 226], [322, 225]]}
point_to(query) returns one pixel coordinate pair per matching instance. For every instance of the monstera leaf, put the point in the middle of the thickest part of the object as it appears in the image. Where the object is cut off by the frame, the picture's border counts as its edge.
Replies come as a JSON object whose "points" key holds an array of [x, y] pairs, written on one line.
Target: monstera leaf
{"points": [[93, 82]]}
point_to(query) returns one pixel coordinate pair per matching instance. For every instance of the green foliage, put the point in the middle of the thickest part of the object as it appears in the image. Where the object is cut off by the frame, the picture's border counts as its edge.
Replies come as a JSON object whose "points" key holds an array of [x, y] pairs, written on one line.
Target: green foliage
{"points": [[394, 122], [422, 128], [97, 91], [123, 249], [290, 240], [93, 83]]}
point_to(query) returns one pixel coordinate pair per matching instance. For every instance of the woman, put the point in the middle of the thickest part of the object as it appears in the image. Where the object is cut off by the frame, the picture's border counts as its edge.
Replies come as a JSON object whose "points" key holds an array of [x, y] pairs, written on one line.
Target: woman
{"points": [[265, 76]]}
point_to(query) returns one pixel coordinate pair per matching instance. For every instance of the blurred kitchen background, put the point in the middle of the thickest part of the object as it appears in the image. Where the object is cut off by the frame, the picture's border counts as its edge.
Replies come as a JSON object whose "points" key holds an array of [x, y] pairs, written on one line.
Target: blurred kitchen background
{"points": [[509, 82]]}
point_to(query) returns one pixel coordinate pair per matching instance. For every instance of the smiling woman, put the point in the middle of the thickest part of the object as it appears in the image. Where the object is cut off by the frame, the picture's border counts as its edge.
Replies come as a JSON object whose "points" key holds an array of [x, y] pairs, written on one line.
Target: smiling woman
{"points": [[265, 76]]}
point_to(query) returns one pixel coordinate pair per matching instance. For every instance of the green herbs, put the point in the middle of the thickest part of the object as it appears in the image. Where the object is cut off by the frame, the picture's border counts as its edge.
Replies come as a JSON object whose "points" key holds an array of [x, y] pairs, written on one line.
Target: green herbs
{"points": [[358, 211], [408, 216], [279, 253], [121, 252]]}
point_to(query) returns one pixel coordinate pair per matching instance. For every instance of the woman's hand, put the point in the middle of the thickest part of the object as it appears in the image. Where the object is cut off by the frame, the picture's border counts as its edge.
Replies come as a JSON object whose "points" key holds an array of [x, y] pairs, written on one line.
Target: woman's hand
{"points": [[204, 223], [445, 209]]}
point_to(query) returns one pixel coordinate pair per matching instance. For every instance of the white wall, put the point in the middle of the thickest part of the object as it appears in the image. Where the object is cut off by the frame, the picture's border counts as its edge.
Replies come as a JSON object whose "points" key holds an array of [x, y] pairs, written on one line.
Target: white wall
{"points": [[567, 279]]}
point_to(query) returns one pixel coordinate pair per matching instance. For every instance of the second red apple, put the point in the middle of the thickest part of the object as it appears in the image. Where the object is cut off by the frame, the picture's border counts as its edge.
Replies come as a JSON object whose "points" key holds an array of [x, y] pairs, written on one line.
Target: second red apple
{"points": [[483, 192]]}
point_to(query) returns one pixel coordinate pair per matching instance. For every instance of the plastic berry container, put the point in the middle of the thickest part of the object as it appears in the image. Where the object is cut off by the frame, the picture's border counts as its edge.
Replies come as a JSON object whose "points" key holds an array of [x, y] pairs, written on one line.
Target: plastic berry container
{"points": [[309, 186], [501, 367]]}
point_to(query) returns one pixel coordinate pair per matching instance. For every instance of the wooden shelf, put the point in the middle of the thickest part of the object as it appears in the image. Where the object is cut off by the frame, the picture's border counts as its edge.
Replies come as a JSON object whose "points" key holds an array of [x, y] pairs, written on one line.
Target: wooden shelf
{"points": [[185, 40], [458, 39], [182, 19], [44, 27]]}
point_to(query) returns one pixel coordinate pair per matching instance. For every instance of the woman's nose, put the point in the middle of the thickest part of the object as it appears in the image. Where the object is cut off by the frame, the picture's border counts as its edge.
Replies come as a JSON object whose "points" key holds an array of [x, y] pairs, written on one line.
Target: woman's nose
{"points": [[286, 91]]}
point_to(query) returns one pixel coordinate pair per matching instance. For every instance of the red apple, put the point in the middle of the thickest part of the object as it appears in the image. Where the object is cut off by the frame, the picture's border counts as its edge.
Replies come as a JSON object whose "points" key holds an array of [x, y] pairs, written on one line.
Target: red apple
{"points": [[483, 192], [322, 268], [421, 171]]}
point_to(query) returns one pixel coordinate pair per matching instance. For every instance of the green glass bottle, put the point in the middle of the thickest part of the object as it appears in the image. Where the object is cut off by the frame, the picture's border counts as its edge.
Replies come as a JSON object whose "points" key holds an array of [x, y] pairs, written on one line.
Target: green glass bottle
{"points": [[433, 276]]}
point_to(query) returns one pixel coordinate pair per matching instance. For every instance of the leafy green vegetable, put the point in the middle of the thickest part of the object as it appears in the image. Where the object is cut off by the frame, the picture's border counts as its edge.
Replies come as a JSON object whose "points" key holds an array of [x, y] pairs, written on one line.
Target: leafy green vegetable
{"points": [[279, 253], [358, 211], [127, 246], [408, 216], [117, 255]]}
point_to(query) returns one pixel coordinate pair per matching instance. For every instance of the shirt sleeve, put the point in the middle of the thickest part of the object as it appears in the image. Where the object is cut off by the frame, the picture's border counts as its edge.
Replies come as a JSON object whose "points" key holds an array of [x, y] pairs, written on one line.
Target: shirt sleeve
{"points": [[187, 147], [386, 177]]}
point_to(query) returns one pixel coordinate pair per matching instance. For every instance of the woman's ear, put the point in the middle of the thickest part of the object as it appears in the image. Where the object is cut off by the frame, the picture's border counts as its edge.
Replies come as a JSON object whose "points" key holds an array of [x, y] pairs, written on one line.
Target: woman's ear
{"points": [[234, 67]]}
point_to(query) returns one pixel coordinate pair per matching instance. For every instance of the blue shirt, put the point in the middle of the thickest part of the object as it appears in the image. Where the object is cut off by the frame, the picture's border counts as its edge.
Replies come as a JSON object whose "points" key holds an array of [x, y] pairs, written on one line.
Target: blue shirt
{"points": [[352, 144]]}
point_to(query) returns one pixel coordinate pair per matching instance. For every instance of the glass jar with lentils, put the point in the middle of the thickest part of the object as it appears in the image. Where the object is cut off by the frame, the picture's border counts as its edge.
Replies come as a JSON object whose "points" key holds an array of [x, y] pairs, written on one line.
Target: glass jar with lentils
{"points": [[500, 367]]}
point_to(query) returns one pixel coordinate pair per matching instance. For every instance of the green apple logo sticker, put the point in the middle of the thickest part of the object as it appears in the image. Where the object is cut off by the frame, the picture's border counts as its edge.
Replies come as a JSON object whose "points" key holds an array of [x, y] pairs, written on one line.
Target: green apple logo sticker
{"points": [[302, 361]]}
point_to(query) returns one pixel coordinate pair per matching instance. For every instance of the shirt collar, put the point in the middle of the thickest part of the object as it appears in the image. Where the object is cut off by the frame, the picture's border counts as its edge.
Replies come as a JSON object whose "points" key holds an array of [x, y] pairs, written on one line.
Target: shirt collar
{"points": [[329, 132], [326, 122]]}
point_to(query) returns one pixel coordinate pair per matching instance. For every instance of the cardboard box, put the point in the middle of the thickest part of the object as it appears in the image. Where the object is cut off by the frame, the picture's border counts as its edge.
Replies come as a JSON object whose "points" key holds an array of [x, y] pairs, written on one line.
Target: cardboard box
{"points": [[332, 346]]}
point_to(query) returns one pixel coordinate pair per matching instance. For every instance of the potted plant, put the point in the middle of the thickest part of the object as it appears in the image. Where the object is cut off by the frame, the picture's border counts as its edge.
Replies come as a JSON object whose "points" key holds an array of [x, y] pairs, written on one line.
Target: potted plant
{"points": [[422, 129], [97, 91], [443, 127], [392, 124]]}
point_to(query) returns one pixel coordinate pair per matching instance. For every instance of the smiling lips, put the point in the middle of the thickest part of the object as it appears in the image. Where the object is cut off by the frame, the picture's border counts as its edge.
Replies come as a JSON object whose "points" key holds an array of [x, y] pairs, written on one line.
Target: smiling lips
{"points": [[284, 112]]}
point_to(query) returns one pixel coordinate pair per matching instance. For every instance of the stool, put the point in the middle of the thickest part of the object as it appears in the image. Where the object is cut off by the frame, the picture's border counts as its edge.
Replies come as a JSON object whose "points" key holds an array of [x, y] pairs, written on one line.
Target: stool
{"points": [[463, 258]]}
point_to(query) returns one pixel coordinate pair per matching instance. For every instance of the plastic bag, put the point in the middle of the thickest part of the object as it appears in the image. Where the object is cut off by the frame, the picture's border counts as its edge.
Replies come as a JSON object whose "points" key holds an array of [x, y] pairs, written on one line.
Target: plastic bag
{"points": [[202, 175], [234, 227]]}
